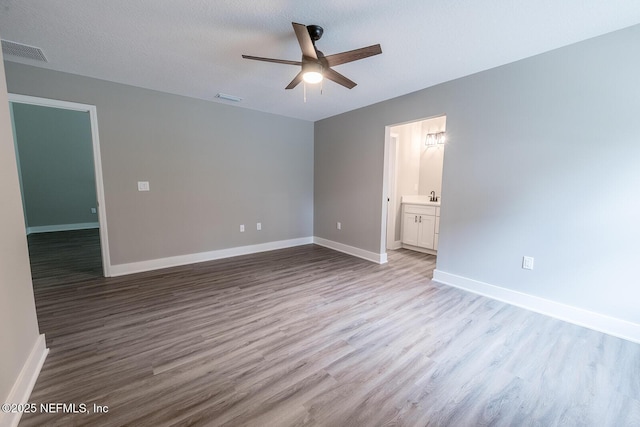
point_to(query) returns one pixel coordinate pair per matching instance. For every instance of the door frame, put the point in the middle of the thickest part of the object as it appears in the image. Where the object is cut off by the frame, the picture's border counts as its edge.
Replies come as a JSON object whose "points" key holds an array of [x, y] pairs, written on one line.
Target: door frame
{"points": [[392, 203], [386, 167], [97, 162]]}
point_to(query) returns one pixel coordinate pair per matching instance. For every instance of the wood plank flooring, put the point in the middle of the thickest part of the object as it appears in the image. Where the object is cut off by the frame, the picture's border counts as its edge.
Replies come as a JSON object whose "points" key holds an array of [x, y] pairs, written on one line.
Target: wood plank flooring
{"points": [[65, 257], [311, 337]]}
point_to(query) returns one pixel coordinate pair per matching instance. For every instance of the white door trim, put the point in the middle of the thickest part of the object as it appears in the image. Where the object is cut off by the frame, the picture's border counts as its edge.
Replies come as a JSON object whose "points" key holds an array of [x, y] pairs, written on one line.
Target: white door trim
{"points": [[392, 205], [385, 190], [97, 162]]}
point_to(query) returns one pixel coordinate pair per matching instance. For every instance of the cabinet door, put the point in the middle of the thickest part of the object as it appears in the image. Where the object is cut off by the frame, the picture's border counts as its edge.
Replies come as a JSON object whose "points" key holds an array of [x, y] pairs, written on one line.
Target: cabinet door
{"points": [[410, 229], [426, 231]]}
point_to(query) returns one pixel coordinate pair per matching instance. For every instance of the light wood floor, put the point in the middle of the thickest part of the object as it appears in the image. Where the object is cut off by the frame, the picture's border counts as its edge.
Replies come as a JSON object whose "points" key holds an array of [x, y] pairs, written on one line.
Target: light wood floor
{"points": [[309, 336]]}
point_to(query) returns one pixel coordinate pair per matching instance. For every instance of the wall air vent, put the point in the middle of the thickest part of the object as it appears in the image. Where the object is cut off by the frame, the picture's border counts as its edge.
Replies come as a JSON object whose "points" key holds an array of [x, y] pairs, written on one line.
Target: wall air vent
{"points": [[23, 51]]}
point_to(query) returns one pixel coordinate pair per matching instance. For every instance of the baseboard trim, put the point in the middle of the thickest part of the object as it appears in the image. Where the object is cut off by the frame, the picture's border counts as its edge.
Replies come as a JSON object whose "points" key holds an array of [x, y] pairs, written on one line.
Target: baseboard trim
{"points": [[419, 249], [598, 322], [23, 386], [157, 264], [62, 227], [351, 250]]}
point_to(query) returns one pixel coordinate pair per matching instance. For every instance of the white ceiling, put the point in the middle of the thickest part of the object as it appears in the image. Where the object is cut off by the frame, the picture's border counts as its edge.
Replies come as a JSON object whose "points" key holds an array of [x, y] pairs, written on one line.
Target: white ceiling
{"points": [[194, 47]]}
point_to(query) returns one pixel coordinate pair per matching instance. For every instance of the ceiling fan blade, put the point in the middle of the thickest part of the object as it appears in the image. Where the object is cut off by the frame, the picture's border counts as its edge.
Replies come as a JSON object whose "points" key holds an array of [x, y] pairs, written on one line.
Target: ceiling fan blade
{"points": [[277, 61], [338, 78], [304, 40], [353, 55], [296, 80]]}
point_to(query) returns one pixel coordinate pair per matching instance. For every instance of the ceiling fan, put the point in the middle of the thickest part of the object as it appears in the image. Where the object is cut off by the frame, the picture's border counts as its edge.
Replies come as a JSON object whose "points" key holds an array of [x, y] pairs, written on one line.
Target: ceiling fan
{"points": [[316, 66]]}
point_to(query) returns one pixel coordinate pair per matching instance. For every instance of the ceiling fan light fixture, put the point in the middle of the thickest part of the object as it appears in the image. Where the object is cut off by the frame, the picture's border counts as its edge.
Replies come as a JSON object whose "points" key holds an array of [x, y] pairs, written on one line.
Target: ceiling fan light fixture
{"points": [[312, 73], [312, 77]]}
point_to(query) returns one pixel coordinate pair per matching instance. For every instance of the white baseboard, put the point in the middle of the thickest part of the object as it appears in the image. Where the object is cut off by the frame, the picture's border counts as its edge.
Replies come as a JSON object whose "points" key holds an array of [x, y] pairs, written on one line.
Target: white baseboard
{"points": [[351, 250], [578, 316], [26, 380], [156, 264], [419, 249], [62, 227]]}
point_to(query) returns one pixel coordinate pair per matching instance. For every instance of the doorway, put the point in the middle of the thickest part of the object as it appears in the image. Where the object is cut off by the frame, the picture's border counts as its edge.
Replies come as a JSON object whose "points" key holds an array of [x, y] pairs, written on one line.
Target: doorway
{"points": [[71, 197], [413, 162]]}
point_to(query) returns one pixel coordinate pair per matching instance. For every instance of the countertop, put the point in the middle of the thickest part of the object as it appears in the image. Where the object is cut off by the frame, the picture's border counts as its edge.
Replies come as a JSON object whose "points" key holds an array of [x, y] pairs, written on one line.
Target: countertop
{"points": [[419, 200]]}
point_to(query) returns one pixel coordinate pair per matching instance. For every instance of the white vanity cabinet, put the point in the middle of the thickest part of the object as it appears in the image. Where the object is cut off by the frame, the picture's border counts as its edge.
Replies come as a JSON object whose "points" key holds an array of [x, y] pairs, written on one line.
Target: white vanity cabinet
{"points": [[420, 226]]}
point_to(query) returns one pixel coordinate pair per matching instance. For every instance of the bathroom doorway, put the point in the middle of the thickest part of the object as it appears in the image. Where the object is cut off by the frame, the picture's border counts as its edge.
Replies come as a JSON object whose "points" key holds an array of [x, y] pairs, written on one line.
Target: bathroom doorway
{"points": [[414, 157]]}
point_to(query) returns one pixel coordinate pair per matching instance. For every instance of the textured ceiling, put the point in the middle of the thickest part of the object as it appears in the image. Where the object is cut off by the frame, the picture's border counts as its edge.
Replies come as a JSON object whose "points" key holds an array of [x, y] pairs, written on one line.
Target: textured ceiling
{"points": [[194, 47]]}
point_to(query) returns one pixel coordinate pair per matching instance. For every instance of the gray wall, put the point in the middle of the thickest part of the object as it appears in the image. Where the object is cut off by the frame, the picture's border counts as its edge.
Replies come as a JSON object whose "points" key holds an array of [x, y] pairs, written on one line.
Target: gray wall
{"points": [[211, 167], [56, 163], [18, 324], [542, 160]]}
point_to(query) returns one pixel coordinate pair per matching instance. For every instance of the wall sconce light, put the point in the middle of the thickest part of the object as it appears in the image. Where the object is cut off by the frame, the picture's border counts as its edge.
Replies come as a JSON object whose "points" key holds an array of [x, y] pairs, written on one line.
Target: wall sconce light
{"points": [[435, 139]]}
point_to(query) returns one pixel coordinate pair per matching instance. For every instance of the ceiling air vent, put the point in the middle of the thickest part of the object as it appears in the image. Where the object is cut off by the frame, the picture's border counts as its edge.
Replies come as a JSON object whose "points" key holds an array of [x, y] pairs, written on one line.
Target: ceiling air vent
{"points": [[23, 51], [228, 97]]}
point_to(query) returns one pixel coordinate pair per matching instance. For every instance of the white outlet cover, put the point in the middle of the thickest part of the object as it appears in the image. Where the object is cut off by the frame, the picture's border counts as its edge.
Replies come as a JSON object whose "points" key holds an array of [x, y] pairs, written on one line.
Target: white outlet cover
{"points": [[143, 185], [259, 226], [339, 226], [93, 210], [527, 262], [242, 228]]}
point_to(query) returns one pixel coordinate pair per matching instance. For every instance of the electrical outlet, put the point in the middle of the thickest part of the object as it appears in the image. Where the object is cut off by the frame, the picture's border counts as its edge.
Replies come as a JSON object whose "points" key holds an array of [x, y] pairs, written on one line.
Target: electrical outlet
{"points": [[242, 228], [93, 210], [143, 185], [527, 262], [259, 226], [339, 226]]}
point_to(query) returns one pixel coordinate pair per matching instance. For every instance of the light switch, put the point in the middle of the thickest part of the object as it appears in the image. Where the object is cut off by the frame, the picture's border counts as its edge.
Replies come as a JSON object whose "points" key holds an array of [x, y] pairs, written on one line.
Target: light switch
{"points": [[259, 226], [143, 185], [527, 263]]}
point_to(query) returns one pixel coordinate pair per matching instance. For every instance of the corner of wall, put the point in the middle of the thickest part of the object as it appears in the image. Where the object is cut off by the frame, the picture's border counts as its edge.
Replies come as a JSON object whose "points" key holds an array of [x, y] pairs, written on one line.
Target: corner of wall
{"points": [[351, 250], [25, 382]]}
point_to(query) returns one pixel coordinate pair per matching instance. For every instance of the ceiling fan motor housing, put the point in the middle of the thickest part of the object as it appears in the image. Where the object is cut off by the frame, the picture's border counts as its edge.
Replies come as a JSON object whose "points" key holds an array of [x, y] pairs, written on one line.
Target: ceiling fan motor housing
{"points": [[315, 32]]}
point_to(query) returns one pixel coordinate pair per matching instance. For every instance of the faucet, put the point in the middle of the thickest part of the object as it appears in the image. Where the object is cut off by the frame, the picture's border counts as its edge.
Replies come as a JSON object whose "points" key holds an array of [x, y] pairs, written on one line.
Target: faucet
{"points": [[433, 197]]}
